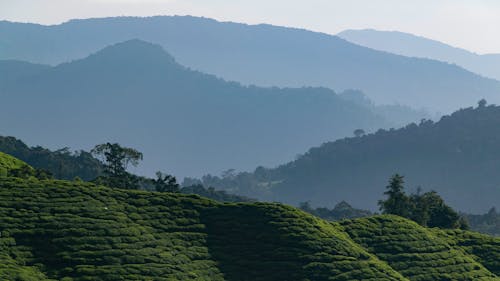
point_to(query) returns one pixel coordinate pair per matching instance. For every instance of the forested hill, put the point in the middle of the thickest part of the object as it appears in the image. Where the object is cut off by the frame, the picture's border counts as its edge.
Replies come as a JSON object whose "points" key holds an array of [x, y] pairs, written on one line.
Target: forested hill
{"points": [[458, 156], [263, 55], [63, 230], [195, 123]]}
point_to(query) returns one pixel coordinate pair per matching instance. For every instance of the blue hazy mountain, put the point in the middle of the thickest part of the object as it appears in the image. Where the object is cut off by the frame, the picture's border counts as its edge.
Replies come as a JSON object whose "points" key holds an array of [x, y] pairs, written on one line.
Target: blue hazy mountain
{"points": [[410, 45], [262, 55], [186, 122], [457, 156]]}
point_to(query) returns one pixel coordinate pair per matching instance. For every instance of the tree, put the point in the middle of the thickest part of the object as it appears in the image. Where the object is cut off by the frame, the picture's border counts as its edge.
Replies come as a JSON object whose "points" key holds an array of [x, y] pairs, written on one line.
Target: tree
{"points": [[397, 203], [482, 103], [165, 183], [429, 209], [359, 132], [116, 160]]}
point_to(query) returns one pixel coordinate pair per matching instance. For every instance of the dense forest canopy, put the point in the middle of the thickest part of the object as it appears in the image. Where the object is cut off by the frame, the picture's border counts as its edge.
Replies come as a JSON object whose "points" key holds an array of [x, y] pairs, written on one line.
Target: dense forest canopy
{"points": [[457, 156]]}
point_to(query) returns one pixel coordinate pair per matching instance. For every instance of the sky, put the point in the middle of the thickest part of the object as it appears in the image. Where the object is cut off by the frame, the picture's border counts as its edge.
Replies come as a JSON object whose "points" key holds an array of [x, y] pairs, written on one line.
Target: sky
{"points": [[469, 24]]}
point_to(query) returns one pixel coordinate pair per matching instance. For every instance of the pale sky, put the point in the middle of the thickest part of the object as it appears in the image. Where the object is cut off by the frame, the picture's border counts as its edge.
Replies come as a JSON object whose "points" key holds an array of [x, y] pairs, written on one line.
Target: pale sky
{"points": [[470, 24]]}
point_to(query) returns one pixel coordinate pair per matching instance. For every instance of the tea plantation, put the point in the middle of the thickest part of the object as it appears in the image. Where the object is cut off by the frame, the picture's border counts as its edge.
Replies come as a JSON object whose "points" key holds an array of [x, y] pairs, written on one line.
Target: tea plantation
{"points": [[8, 162], [425, 254], [63, 230]]}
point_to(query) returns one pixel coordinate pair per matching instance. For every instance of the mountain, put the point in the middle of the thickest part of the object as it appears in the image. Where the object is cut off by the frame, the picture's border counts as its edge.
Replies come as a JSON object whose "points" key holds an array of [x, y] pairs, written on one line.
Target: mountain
{"points": [[406, 44], [63, 230], [263, 55], [456, 156], [185, 122]]}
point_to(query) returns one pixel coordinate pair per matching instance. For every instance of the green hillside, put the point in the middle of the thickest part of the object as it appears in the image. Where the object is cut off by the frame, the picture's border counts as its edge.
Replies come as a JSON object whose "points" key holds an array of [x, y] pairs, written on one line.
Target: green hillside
{"points": [[62, 230], [75, 230], [483, 248], [8, 162], [419, 253]]}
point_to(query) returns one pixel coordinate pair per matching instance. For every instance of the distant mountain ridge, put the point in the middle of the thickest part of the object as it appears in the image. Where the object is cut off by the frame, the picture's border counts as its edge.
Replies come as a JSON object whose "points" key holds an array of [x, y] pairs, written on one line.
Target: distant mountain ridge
{"points": [[410, 45], [186, 122], [263, 55], [458, 157]]}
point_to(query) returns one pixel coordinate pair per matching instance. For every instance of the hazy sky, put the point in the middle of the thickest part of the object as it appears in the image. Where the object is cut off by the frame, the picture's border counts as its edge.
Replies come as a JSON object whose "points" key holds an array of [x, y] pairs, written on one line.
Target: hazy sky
{"points": [[469, 24]]}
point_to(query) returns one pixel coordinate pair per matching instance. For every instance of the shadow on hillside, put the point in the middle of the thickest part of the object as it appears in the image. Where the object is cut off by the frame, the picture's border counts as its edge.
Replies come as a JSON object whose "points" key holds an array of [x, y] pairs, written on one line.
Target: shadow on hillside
{"points": [[247, 246]]}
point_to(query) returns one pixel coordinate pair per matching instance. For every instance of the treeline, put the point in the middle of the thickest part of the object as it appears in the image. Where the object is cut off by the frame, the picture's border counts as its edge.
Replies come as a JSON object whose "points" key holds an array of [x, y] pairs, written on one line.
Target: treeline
{"points": [[341, 211], [61, 163], [106, 164], [427, 209], [110, 162], [457, 156]]}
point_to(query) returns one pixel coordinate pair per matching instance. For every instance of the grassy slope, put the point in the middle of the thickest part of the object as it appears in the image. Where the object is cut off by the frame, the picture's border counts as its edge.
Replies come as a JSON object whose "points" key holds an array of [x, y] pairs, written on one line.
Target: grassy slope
{"points": [[484, 248], [8, 162], [77, 231], [416, 252]]}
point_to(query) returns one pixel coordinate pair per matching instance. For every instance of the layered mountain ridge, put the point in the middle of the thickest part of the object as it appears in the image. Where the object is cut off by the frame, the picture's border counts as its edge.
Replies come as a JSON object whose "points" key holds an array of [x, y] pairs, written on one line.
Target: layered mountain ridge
{"points": [[186, 122], [263, 55]]}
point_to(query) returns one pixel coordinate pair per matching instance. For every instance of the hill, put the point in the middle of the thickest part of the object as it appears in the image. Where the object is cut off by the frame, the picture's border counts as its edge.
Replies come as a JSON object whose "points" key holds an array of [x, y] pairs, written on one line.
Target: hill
{"points": [[77, 231], [410, 247], [185, 122], [8, 163], [416, 46], [456, 156], [263, 55]]}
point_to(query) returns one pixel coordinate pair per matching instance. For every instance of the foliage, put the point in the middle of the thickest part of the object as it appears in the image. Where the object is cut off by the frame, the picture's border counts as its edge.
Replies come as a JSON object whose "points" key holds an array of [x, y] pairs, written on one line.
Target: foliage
{"points": [[165, 183], [397, 203], [427, 209], [456, 156], [341, 211], [61, 163], [217, 195], [116, 160]]}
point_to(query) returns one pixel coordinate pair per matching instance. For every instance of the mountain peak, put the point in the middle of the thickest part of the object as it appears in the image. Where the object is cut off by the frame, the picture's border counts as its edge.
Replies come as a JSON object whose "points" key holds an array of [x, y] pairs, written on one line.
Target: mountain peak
{"points": [[134, 51]]}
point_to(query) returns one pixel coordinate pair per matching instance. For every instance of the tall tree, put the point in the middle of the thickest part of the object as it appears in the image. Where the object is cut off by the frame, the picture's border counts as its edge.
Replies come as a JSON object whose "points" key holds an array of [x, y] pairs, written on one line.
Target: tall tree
{"points": [[116, 160], [397, 203]]}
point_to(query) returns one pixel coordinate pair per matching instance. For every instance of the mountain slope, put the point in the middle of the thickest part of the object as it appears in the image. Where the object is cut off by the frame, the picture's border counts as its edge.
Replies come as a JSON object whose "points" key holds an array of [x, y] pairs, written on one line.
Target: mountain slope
{"points": [[62, 230], [415, 46], [457, 157], [185, 122], [262, 55]]}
